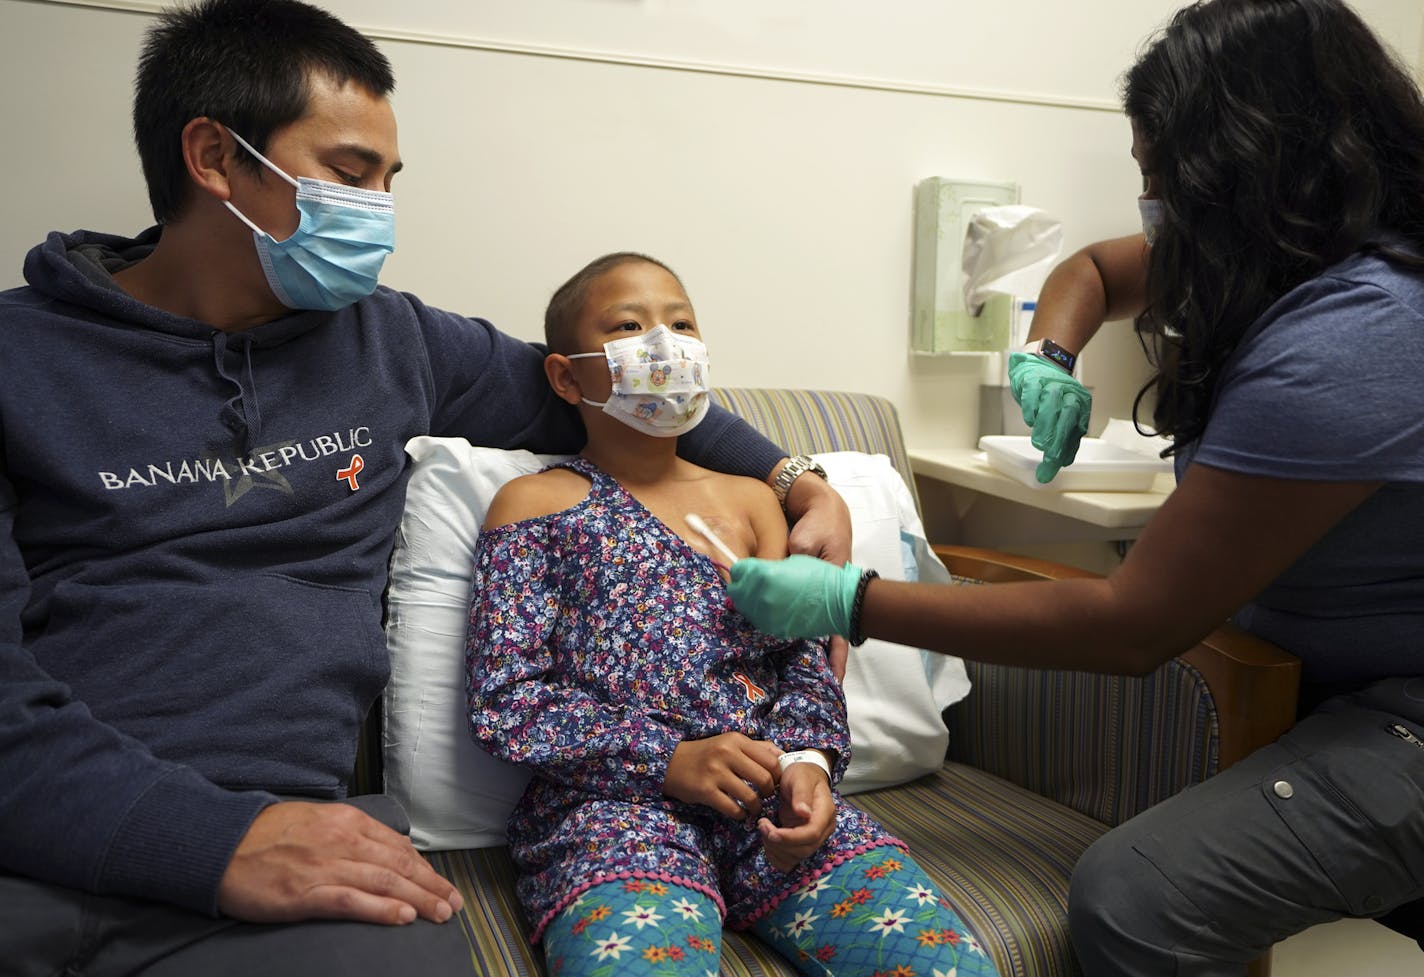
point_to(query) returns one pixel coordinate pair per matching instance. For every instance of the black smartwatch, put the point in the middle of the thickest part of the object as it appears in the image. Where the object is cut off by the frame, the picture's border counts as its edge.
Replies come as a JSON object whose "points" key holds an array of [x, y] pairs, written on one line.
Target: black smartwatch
{"points": [[1053, 353]]}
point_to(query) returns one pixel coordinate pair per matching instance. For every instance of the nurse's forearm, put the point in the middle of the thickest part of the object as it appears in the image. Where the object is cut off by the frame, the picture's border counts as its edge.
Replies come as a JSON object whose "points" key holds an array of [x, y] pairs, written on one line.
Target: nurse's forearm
{"points": [[1099, 283], [1072, 624]]}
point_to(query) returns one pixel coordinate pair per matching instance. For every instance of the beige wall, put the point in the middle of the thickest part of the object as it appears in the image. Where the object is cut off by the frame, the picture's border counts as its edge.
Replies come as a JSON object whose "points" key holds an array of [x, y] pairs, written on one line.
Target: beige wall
{"points": [[771, 161], [767, 151]]}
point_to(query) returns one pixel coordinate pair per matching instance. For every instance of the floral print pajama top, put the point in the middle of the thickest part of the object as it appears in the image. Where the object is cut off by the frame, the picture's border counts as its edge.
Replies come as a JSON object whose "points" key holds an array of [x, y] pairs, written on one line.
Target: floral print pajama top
{"points": [[598, 641]]}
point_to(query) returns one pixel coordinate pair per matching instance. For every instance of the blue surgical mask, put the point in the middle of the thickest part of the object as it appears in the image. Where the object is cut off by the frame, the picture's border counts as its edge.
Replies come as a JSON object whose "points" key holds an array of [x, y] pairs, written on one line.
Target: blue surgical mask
{"points": [[334, 256], [1154, 214]]}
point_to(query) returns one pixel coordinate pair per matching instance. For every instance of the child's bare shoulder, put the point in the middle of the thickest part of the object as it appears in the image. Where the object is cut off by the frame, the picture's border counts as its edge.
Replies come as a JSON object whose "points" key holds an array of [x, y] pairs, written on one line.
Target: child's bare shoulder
{"points": [[532, 496], [752, 492], [757, 502], [742, 493]]}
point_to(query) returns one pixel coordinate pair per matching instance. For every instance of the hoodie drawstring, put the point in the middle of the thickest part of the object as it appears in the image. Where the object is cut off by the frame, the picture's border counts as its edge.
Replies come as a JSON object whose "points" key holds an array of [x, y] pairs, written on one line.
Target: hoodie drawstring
{"points": [[242, 414]]}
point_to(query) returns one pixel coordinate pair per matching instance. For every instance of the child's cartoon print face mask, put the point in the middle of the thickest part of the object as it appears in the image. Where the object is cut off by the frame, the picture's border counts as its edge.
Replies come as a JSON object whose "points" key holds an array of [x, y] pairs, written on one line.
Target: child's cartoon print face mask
{"points": [[659, 382]]}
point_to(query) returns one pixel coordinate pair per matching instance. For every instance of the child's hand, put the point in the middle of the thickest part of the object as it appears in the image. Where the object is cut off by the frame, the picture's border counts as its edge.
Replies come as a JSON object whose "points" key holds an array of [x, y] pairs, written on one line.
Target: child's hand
{"points": [[808, 814], [729, 773]]}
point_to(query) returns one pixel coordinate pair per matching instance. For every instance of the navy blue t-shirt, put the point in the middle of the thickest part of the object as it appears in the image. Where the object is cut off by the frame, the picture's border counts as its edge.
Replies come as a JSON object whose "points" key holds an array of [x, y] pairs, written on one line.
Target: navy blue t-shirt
{"points": [[1329, 386]]}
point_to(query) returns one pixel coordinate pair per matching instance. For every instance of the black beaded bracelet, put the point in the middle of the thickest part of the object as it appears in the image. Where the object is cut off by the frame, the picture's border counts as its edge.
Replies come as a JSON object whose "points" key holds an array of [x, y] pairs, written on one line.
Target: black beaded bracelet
{"points": [[855, 637]]}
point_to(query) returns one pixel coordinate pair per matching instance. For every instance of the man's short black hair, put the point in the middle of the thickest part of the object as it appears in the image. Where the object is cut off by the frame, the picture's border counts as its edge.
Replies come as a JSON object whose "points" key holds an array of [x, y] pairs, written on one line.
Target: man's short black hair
{"points": [[244, 63], [561, 316]]}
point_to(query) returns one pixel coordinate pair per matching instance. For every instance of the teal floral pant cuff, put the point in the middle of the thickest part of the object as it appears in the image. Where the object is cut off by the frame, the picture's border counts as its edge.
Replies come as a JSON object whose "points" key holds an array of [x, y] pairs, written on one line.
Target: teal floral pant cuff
{"points": [[874, 915]]}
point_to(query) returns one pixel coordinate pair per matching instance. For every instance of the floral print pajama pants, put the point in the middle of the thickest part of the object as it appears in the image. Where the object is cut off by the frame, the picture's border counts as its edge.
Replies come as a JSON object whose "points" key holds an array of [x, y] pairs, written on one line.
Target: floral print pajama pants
{"points": [[874, 915]]}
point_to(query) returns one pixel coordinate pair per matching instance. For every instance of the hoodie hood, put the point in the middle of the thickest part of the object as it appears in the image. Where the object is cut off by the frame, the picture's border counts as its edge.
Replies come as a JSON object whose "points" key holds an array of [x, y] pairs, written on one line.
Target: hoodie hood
{"points": [[78, 269]]}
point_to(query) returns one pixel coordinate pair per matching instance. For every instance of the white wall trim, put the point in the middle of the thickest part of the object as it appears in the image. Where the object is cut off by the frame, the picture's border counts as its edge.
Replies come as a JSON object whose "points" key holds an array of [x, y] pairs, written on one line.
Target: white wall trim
{"points": [[896, 86]]}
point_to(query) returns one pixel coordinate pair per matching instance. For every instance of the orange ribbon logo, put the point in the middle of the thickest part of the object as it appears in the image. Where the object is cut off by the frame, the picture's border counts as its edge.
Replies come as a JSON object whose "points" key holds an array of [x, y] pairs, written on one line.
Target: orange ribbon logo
{"points": [[754, 692], [350, 472]]}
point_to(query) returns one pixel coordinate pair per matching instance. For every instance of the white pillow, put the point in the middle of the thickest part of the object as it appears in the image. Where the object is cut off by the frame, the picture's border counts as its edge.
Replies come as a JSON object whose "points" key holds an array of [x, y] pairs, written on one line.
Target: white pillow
{"points": [[460, 797], [457, 795], [894, 694]]}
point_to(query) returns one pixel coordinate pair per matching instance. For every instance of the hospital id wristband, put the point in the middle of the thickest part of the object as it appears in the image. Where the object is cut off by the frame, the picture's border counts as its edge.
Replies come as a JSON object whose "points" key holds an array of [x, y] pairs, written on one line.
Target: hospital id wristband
{"points": [[803, 756]]}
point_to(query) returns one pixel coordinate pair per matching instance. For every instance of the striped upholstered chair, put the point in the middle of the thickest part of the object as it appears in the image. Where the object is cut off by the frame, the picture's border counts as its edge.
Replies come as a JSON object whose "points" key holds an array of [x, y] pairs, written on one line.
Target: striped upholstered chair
{"points": [[1041, 763]]}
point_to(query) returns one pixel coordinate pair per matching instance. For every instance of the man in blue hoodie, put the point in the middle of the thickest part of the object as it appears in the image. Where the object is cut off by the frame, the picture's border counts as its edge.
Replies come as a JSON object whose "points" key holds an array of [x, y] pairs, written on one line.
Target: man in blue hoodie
{"points": [[201, 471]]}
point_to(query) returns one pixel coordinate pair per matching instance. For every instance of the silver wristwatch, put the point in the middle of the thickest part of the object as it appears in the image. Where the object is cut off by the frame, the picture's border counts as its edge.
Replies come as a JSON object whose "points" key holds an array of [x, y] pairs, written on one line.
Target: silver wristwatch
{"points": [[794, 469]]}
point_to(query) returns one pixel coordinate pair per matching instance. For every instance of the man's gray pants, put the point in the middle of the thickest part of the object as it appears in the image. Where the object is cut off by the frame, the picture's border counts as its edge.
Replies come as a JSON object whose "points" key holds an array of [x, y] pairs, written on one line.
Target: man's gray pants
{"points": [[52, 931]]}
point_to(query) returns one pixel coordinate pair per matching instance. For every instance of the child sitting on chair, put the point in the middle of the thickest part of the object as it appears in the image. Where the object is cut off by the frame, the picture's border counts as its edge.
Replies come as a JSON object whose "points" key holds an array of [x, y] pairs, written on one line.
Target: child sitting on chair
{"points": [[683, 761]]}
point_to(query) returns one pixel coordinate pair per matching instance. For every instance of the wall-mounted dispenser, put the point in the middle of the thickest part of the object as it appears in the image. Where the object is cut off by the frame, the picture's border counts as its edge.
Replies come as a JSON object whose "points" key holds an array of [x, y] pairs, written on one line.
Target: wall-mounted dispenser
{"points": [[976, 251], [940, 323]]}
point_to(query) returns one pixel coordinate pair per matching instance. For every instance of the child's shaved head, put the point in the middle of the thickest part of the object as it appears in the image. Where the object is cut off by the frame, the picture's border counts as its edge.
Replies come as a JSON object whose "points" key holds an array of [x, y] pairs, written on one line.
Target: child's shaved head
{"points": [[561, 317]]}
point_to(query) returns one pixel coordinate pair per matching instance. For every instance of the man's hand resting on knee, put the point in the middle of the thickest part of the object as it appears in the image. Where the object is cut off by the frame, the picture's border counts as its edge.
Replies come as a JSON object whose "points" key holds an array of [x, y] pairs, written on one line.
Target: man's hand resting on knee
{"points": [[330, 861]]}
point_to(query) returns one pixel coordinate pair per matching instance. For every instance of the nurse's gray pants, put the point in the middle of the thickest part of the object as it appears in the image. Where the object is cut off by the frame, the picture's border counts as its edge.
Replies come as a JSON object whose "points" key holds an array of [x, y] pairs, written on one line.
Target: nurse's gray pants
{"points": [[1326, 822]]}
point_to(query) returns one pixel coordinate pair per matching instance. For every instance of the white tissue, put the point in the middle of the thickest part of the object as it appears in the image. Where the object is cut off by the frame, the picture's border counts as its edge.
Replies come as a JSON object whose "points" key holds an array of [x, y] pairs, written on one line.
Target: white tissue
{"points": [[1008, 250]]}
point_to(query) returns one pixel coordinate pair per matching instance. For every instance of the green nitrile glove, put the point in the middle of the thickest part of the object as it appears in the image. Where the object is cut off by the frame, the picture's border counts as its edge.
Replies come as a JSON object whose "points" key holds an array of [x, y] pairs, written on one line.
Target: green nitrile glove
{"points": [[798, 597], [1055, 405]]}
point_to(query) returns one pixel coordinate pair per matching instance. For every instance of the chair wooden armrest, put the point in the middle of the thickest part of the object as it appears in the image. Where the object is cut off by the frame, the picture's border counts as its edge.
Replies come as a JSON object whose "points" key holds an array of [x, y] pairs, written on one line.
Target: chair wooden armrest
{"points": [[1255, 684]]}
